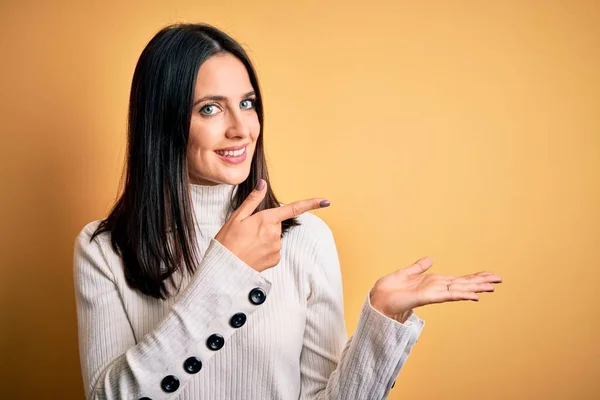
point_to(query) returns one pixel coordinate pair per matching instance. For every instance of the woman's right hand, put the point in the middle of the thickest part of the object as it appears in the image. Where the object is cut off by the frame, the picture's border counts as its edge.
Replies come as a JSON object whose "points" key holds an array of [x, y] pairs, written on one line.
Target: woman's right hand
{"points": [[256, 239]]}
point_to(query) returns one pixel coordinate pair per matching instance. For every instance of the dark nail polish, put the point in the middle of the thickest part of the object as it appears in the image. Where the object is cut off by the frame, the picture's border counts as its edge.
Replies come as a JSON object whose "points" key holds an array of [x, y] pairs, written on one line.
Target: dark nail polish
{"points": [[325, 203], [260, 185]]}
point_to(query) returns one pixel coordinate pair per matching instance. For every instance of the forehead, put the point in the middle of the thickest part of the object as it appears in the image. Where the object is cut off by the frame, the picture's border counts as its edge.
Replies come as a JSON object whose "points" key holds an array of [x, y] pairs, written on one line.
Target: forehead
{"points": [[224, 75]]}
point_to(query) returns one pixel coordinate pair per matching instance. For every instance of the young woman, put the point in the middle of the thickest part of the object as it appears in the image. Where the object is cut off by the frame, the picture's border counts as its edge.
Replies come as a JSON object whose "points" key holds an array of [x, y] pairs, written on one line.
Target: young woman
{"points": [[200, 284]]}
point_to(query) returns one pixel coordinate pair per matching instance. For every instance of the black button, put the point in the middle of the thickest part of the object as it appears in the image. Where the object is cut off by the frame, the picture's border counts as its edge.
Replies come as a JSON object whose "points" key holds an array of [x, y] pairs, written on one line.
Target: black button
{"points": [[170, 384], [215, 342], [393, 384], [238, 320], [257, 296], [145, 398], [192, 365]]}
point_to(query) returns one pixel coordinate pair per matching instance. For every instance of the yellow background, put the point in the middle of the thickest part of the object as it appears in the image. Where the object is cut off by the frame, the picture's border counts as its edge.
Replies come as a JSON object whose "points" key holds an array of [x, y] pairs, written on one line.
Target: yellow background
{"points": [[468, 131]]}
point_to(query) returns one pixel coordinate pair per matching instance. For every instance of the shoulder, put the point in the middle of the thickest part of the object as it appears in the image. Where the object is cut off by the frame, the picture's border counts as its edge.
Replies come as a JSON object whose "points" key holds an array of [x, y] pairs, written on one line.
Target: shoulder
{"points": [[312, 246], [92, 251], [89, 229], [312, 224], [313, 242], [312, 234], [85, 238]]}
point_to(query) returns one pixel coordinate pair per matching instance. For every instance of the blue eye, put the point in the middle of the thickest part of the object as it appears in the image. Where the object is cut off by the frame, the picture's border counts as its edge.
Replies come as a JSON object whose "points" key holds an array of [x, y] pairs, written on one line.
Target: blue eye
{"points": [[209, 109], [248, 104]]}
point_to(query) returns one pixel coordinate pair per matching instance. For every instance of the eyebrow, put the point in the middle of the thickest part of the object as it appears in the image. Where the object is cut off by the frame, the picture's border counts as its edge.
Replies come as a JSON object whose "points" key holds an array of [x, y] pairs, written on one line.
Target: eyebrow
{"points": [[220, 98]]}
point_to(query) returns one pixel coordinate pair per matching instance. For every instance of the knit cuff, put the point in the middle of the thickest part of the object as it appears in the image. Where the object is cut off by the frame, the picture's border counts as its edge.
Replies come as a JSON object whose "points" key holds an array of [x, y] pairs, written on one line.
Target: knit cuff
{"points": [[387, 340]]}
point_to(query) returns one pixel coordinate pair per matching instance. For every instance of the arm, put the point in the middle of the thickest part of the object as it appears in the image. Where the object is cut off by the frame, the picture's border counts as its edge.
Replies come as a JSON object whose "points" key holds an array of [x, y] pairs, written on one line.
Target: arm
{"points": [[365, 366], [113, 364]]}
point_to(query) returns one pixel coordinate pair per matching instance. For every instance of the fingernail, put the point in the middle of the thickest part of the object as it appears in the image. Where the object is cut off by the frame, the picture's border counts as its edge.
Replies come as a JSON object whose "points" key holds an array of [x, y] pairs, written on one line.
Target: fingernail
{"points": [[324, 203], [260, 185]]}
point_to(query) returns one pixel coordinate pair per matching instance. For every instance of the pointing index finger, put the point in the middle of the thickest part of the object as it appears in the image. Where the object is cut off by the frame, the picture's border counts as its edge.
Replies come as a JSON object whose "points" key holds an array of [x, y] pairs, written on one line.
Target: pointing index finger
{"points": [[295, 209]]}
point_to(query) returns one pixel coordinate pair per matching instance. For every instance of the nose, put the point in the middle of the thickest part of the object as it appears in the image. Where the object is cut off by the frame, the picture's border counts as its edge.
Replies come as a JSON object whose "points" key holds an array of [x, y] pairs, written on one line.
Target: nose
{"points": [[237, 128]]}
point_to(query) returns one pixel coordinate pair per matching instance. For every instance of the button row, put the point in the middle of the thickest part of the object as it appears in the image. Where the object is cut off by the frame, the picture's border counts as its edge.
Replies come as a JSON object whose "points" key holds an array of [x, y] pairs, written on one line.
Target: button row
{"points": [[192, 365], [215, 342], [170, 384], [257, 296]]}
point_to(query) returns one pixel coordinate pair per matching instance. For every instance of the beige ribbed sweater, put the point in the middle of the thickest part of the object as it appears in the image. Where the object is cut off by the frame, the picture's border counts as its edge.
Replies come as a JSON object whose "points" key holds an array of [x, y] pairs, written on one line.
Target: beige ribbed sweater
{"points": [[291, 346]]}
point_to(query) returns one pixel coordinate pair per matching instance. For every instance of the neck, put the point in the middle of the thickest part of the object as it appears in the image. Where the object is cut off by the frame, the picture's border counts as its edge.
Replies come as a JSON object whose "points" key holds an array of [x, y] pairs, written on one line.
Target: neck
{"points": [[212, 205]]}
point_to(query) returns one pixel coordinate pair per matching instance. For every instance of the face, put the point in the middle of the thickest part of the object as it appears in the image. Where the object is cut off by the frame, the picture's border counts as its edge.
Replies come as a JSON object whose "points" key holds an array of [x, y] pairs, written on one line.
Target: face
{"points": [[224, 125]]}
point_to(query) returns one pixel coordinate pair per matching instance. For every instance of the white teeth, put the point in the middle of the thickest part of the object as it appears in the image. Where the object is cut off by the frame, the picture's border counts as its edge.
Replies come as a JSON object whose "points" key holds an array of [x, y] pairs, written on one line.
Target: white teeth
{"points": [[230, 153]]}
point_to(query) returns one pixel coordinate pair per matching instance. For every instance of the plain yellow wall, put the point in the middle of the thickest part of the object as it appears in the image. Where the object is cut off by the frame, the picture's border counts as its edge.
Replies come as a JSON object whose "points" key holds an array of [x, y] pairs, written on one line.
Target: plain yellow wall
{"points": [[468, 131]]}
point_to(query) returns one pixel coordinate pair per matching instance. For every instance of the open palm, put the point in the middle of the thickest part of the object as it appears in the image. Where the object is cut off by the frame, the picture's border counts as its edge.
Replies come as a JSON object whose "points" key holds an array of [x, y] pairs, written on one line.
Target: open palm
{"points": [[407, 288]]}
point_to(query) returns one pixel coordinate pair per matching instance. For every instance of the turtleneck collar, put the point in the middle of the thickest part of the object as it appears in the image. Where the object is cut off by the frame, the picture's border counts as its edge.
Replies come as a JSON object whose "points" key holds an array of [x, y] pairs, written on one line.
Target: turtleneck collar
{"points": [[211, 205]]}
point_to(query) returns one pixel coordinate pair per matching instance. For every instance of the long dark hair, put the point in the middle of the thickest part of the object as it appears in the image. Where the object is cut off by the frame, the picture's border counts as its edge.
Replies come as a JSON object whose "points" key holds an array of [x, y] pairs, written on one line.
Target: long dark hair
{"points": [[152, 223]]}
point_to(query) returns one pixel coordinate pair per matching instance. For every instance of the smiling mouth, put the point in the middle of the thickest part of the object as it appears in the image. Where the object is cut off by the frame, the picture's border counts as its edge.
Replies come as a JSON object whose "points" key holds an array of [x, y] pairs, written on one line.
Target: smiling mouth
{"points": [[231, 153]]}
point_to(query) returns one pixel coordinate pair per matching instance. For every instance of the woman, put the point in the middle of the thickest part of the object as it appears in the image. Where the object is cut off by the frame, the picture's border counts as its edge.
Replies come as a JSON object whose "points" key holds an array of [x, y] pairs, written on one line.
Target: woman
{"points": [[200, 284]]}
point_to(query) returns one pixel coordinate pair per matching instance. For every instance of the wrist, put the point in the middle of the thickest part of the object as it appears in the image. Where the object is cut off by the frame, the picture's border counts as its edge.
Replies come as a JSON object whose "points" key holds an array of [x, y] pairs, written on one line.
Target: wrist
{"points": [[378, 302], [403, 316]]}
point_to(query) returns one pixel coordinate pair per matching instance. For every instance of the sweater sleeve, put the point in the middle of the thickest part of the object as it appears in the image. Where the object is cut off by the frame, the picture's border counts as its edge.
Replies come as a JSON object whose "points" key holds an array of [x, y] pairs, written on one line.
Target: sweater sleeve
{"points": [[363, 367], [114, 365]]}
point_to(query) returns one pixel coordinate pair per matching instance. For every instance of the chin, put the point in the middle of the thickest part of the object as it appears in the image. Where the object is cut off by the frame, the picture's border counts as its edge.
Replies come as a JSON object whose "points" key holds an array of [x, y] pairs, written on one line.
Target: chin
{"points": [[234, 181], [222, 174], [232, 178]]}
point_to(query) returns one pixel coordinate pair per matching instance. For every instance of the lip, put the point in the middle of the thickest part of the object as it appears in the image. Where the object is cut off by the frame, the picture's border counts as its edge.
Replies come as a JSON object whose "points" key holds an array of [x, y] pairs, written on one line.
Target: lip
{"points": [[234, 160], [232, 148]]}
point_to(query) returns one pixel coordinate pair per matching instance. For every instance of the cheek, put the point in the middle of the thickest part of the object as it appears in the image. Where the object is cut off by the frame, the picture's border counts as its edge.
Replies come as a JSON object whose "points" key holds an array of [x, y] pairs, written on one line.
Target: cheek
{"points": [[203, 137], [255, 128]]}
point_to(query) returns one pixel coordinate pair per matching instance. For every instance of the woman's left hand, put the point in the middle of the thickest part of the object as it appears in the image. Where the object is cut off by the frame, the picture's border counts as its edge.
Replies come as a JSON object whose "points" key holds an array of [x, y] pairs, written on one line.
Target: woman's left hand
{"points": [[396, 294]]}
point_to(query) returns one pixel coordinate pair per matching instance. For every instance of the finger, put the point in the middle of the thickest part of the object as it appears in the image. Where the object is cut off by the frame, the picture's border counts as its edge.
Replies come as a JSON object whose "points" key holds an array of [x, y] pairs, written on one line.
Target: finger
{"points": [[485, 273], [276, 215], [480, 278], [449, 295], [420, 266], [252, 202], [493, 278], [471, 287], [457, 295]]}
